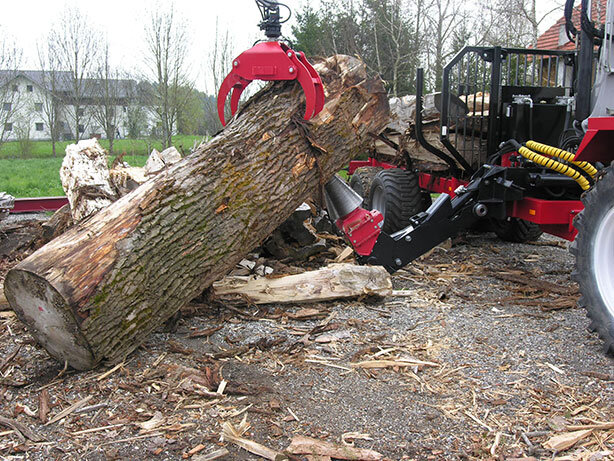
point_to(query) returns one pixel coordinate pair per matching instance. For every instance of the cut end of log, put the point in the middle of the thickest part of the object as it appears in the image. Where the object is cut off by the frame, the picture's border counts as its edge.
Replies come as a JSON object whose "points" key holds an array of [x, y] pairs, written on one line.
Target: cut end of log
{"points": [[41, 307]]}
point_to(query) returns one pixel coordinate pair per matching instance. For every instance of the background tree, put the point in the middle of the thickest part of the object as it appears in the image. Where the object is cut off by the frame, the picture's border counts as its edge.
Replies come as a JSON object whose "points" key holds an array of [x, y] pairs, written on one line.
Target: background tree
{"points": [[217, 66], [76, 44], [383, 33], [308, 31], [443, 18], [10, 96], [166, 59], [393, 51], [110, 94], [22, 128], [52, 81], [191, 116], [514, 22]]}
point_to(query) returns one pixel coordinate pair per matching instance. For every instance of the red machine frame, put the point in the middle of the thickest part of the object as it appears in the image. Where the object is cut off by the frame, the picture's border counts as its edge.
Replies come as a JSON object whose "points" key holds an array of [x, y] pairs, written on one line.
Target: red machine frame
{"points": [[553, 216]]}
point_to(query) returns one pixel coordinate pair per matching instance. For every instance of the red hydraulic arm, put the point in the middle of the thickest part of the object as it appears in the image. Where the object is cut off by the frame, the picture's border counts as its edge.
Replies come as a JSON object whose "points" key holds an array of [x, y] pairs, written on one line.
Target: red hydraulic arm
{"points": [[271, 60]]}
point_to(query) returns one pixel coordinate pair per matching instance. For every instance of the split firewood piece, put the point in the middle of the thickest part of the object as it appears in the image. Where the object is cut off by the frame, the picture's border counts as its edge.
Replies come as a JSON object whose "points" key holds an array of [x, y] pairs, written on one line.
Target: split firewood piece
{"points": [[567, 440], [126, 178], [308, 446], [345, 254], [7, 203], [97, 291], [332, 282], [234, 435], [59, 223], [85, 179]]}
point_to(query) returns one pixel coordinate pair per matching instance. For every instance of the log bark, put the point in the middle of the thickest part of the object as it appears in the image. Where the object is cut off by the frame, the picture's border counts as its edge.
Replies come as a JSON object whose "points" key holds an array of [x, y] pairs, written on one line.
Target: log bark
{"points": [[96, 292], [332, 282]]}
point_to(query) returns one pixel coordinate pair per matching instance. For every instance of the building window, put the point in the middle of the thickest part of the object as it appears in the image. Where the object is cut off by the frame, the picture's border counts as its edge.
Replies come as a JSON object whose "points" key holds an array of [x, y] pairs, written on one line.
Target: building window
{"points": [[80, 112], [15, 88], [29, 88], [8, 126], [40, 126], [62, 125], [38, 106], [81, 128], [6, 106]]}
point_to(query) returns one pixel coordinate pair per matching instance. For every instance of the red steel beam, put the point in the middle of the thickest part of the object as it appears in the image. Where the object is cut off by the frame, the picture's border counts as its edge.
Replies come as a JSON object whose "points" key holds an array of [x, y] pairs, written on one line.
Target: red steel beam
{"points": [[29, 205]]}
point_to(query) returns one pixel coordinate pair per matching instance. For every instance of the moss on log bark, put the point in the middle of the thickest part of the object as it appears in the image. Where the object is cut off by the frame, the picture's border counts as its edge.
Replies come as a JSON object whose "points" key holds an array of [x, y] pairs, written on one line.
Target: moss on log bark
{"points": [[96, 292]]}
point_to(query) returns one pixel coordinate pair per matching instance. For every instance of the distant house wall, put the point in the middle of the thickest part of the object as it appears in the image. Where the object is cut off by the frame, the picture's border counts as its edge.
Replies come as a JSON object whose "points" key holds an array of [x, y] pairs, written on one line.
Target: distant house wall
{"points": [[28, 118], [28, 111]]}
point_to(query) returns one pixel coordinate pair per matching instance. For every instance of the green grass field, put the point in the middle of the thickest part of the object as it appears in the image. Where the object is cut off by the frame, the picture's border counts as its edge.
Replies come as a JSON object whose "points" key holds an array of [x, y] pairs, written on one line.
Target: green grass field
{"points": [[40, 177], [39, 174], [43, 149]]}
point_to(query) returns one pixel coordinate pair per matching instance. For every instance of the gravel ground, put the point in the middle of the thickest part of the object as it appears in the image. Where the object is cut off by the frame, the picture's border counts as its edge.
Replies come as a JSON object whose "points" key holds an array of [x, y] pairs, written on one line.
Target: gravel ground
{"points": [[502, 362]]}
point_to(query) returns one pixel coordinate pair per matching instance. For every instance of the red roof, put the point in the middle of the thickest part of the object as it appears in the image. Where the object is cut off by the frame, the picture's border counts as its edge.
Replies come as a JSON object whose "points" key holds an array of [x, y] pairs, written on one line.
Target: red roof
{"points": [[552, 38]]}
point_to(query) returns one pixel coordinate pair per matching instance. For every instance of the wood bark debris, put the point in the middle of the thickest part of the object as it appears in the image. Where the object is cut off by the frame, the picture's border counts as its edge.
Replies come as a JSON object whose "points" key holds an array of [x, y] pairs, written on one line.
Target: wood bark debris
{"points": [[394, 363], [22, 430], [217, 454], [530, 280], [71, 409], [4, 304], [332, 282], [43, 405], [96, 292]]}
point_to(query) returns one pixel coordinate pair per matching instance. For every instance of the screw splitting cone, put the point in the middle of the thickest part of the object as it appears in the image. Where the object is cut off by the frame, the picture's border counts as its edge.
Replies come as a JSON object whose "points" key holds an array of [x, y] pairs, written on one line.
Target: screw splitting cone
{"points": [[271, 61]]}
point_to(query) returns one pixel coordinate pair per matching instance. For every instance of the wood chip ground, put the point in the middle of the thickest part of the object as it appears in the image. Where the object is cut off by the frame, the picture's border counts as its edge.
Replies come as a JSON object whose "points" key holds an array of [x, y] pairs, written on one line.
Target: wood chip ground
{"points": [[479, 354]]}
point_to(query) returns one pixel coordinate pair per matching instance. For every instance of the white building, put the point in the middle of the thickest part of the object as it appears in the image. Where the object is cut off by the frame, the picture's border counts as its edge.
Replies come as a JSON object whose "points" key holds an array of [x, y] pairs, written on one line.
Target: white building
{"points": [[32, 101]]}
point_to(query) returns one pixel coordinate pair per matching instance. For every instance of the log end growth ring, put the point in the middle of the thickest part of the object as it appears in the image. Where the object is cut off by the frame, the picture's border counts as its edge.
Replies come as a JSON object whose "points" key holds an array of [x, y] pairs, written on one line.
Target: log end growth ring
{"points": [[41, 307]]}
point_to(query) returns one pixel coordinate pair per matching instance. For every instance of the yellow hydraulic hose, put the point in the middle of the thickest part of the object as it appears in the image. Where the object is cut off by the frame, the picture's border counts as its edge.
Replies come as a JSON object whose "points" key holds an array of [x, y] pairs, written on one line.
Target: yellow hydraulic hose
{"points": [[562, 154], [556, 166]]}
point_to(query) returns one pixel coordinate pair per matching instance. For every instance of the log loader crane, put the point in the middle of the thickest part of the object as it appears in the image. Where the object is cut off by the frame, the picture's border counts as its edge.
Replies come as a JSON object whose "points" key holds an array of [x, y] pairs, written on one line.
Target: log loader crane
{"points": [[502, 165], [503, 111]]}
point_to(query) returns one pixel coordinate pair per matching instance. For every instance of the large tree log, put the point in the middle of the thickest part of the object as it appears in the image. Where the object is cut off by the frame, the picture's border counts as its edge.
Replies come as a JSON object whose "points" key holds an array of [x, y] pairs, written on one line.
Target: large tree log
{"points": [[97, 291]]}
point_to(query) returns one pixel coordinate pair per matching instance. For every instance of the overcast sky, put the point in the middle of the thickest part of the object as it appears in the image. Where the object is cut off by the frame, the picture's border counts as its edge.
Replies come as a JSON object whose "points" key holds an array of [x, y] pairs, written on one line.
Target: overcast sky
{"points": [[123, 20]]}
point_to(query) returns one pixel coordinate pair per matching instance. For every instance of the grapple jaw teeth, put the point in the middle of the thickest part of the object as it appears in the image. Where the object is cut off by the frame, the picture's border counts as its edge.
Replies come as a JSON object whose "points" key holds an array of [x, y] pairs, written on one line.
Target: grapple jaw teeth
{"points": [[271, 61], [236, 84]]}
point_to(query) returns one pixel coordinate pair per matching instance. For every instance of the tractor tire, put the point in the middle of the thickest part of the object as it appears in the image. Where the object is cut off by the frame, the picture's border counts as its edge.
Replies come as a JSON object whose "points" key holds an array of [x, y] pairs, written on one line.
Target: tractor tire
{"points": [[361, 181], [593, 249], [516, 230], [396, 194]]}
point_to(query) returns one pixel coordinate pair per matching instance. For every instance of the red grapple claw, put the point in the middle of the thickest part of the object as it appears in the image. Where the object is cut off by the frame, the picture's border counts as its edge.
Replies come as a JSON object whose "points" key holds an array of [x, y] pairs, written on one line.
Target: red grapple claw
{"points": [[271, 61]]}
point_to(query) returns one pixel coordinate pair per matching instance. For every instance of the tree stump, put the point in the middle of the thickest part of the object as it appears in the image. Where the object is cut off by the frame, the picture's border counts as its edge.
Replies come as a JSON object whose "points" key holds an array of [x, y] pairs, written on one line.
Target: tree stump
{"points": [[96, 292]]}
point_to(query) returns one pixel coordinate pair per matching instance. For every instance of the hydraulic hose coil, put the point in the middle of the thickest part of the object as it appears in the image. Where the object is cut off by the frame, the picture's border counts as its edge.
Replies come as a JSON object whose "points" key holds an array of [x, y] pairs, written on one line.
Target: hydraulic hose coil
{"points": [[555, 166], [562, 154]]}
